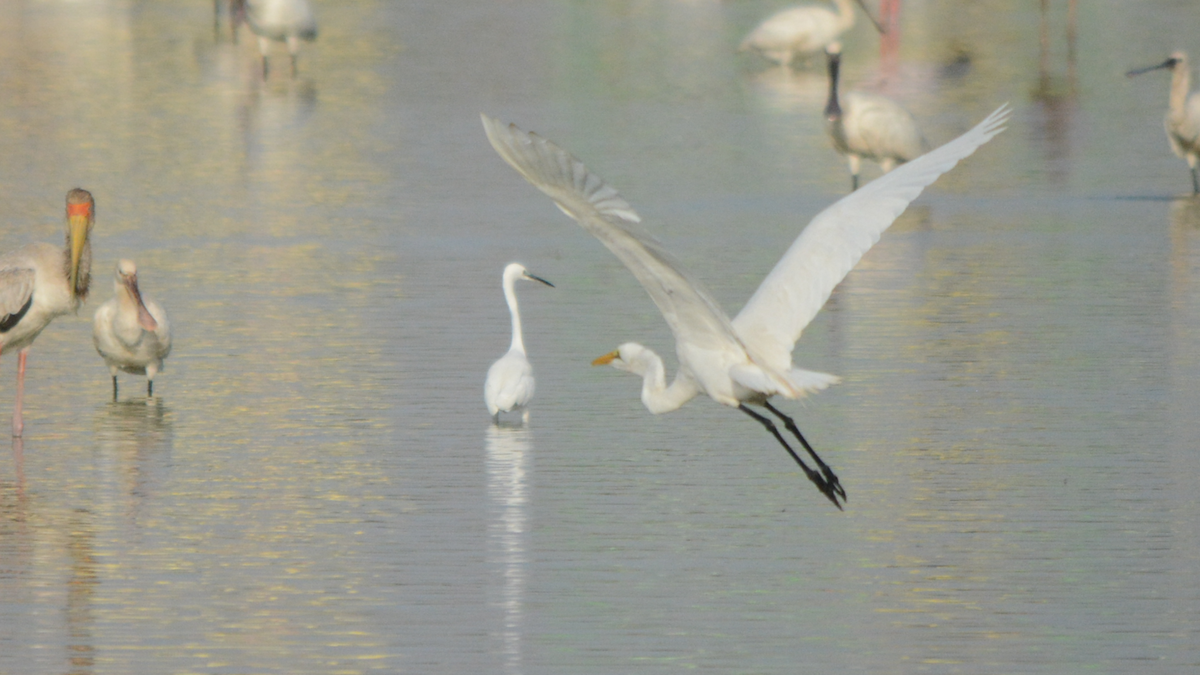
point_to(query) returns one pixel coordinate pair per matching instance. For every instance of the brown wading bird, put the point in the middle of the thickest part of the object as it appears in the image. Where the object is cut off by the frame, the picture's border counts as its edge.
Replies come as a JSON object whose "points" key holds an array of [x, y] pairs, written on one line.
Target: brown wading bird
{"points": [[745, 360], [131, 331], [39, 282], [1183, 113]]}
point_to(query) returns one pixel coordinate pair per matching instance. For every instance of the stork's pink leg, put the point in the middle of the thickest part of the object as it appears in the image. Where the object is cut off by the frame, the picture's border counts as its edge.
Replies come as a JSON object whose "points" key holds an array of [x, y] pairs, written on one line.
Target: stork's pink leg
{"points": [[18, 423]]}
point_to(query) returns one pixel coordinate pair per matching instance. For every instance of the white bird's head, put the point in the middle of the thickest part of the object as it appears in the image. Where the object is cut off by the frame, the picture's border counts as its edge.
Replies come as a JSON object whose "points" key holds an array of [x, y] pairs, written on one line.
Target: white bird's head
{"points": [[517, 271], [630, 357], [1177, 60], [127, 284]]}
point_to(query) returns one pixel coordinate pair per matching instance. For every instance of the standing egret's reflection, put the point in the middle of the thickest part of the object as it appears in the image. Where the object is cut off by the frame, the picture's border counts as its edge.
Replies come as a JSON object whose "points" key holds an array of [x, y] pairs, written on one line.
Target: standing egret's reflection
{"points": [[18, 454], [134, 440], [508, 453]]}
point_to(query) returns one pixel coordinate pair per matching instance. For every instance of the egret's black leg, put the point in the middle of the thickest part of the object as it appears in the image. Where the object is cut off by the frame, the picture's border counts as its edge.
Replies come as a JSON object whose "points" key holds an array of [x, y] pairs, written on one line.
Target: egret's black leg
{"points": [[1195, 182], [825, 470], [114, 388], [853, 182], [149, 388], [822, 485]]}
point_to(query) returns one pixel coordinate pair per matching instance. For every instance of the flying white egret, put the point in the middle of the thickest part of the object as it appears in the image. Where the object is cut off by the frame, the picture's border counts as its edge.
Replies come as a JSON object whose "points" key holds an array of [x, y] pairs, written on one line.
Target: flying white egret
{"points": [[39, 282], [131, 331], [749, 359], [869, 126], [509, 384], [803, 30], [1183, 112], [287, 21]]}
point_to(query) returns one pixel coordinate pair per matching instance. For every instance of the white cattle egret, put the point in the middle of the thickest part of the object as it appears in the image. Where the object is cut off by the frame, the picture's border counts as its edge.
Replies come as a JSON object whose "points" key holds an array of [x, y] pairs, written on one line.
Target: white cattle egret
{"points": [[510, 383], [749, 359], [39, 282], [286, 21], [131, 331], [869, 126], [1183, 112], [803, 30]]}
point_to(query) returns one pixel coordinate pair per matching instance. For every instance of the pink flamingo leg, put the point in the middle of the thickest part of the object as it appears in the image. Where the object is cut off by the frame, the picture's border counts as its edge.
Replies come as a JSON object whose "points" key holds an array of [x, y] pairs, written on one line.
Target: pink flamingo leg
{"points": [[18, 423]]}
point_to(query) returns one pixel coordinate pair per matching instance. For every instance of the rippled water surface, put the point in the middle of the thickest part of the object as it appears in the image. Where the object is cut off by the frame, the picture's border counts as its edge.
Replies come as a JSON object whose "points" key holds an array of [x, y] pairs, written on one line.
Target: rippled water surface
{"points": [[317, 488]]}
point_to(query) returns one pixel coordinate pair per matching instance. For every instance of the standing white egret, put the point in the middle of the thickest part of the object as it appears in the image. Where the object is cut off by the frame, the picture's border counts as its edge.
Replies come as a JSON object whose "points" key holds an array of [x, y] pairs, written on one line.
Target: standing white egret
{"points": [[1183, 112], [803, 30], [39, 282], [869, 126], [749, 359], [510, 382], [286, 21], [131, 331]]}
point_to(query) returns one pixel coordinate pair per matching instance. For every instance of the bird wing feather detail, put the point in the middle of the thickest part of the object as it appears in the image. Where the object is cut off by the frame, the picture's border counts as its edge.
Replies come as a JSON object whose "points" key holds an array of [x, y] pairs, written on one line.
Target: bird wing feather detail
{"points": [[690, 311], [834, 242], [16, 289]]}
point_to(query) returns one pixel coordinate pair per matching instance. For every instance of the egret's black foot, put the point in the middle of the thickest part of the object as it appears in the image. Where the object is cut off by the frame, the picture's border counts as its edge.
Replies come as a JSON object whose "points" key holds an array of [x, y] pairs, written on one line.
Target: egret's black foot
{"points": [[832, 489], [830, 477]]}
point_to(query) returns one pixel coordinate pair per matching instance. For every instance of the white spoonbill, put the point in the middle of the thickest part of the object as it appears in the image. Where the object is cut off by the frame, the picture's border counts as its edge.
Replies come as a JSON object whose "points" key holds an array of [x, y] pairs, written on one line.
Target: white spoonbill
{"points": [[748, 359], [509, 384], [286, 21], [803, 30], [869, 126], [39, 282], [1183, 112], [131, 331]]}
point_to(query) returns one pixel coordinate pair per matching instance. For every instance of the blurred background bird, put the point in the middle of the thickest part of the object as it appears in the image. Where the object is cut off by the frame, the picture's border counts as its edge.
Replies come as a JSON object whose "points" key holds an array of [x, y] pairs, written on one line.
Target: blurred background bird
{"points": [[869, 126], [286, 21], [802, 31]]}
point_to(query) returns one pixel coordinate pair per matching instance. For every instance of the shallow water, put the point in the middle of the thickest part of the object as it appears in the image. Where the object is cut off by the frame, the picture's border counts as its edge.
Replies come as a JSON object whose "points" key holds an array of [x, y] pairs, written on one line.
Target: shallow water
{"points": [[317, 488]]}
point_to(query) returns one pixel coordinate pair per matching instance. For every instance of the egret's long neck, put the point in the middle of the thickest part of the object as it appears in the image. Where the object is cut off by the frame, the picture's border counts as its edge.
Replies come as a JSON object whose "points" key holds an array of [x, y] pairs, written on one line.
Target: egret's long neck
{"points": [[1181, 81], [656, 395], [510, 296]]}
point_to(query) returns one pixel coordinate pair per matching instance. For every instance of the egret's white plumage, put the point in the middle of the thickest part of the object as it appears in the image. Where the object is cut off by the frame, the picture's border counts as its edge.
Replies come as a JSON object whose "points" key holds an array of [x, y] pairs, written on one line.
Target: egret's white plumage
{"points": [[510, 383], [1183, 113], [747, 359], [869, 126], [39, 282], [801, 31], [131, 331], [286, 21]]}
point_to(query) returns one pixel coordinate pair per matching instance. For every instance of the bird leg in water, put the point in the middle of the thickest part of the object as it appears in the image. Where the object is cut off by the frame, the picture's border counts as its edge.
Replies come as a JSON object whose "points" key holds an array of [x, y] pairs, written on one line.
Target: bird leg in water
{"points": [[114, 388], [149, 388], [825, 470], [822, 485], [1195, 182], [18, 422]]}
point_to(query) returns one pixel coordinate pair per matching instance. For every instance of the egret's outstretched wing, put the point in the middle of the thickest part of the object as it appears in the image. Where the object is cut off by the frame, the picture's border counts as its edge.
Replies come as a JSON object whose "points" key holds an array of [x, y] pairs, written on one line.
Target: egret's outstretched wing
{"points": [[690, 311], [834, 242]]}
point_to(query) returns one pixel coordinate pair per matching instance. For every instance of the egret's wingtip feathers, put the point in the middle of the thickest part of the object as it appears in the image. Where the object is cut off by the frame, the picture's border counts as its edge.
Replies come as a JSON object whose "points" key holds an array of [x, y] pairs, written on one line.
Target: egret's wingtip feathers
{"points": [[998, 120], [557, 173]]}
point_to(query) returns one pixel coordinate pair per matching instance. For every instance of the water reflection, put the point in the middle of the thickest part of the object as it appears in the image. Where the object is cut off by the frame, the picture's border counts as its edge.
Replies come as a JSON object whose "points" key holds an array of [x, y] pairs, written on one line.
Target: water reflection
{"points": [[1054, 100], [133, 441], [82, 583], [508, 456]]}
